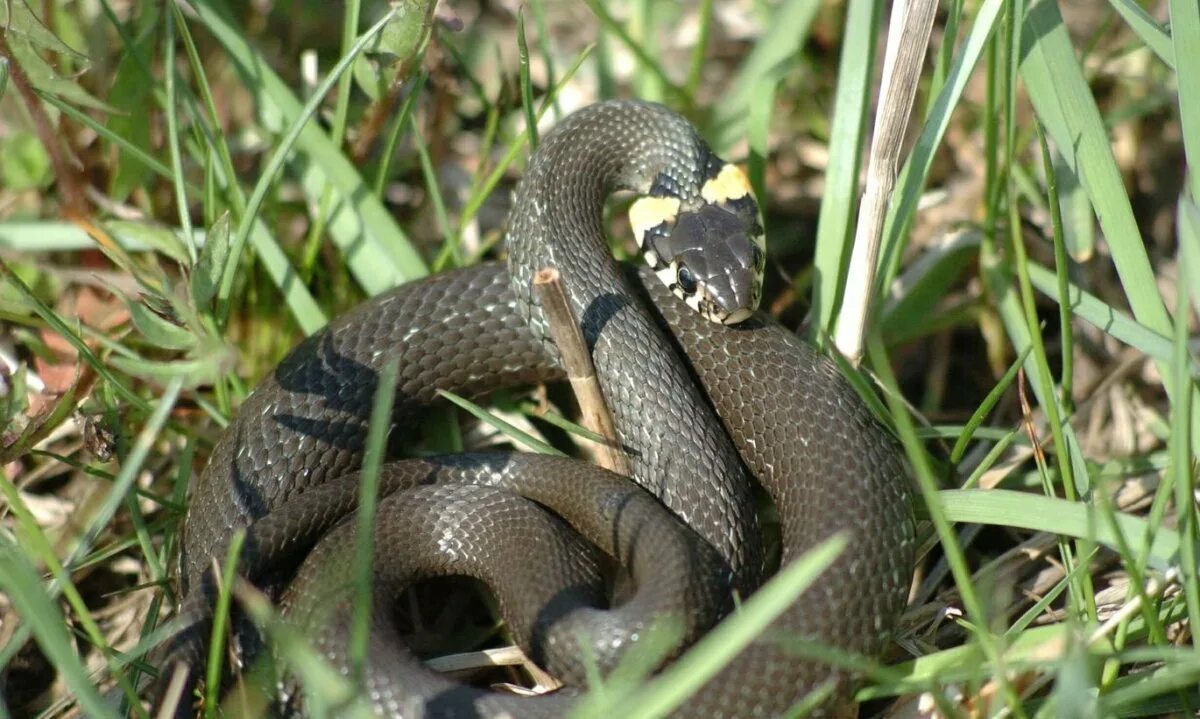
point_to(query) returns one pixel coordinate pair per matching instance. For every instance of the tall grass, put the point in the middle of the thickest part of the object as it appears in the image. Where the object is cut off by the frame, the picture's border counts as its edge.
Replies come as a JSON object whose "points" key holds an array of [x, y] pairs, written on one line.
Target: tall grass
{"points": [[1039, 366]]}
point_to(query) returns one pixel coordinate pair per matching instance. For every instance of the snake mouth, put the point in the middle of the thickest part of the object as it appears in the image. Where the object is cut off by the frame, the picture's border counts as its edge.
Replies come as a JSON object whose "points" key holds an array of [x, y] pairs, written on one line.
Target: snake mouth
{"points": [[739, 315]]}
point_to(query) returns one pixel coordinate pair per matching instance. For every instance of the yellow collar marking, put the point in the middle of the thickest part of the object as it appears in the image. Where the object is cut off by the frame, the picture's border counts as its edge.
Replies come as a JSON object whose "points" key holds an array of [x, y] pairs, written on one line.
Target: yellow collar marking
{"points": [[650, 212], [729, 184]]}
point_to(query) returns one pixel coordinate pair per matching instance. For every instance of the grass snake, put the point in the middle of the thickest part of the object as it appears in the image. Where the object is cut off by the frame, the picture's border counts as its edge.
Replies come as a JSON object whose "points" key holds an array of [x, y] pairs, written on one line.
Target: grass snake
{"points": [[704, 408]]}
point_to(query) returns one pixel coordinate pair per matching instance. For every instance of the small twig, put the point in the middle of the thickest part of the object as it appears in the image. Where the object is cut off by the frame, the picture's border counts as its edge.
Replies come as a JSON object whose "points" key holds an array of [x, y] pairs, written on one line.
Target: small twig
{"points": [[498, 657], [908, 37], [564, 330]]}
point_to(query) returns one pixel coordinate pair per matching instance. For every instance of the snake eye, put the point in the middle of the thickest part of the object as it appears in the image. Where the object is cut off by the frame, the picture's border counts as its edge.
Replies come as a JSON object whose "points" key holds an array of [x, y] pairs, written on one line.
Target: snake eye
{"points": [[687, 281]]}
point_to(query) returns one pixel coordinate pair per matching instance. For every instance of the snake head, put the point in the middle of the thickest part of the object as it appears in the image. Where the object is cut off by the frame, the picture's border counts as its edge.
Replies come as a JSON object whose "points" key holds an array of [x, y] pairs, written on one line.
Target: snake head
{"points": [[710, 253]]}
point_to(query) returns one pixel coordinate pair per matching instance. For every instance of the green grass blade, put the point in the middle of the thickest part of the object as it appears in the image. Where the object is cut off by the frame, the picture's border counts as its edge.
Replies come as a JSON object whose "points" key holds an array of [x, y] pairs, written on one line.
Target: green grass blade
{"points": [[400, 122], [1147, 29], [758, 130], [787, 31], [647, 61], [484, 189], [123, 144], [700, 50], [35, 542], [99, 520], [1039, 513], [989, 402], [537, 7], [553, 417], [938, 513], [130, 467], [1046, 387], [1182, 474], [835, 224], [1188, 223], [1162, 691], [350, 21], [220, 625], [56, 323], [274, 166], [1185, 33], [178, 176], [965, 663], [1060, 95], [382, 255], [1079, 221], [368, 498], [40, 236], [1105, 318], [920, 290], [730, 637], [327, 693], [505, 428], [24, 590], [429, 173], [526, 84], [1061, 271], [1014, 308]]}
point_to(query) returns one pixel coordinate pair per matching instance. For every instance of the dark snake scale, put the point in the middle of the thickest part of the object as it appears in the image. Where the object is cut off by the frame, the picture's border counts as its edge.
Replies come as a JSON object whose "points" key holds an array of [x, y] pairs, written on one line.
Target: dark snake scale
{"points": [[784, 416]]}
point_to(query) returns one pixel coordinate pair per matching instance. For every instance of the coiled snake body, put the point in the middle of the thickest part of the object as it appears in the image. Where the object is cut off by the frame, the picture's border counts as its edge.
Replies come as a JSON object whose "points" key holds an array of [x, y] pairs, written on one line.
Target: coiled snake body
{"points": [[797, 426]]}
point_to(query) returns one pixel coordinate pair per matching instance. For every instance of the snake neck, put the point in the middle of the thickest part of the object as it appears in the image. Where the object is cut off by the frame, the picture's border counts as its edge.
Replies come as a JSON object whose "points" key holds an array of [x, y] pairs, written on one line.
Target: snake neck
{"points": [[678, 449], [559, 205]]}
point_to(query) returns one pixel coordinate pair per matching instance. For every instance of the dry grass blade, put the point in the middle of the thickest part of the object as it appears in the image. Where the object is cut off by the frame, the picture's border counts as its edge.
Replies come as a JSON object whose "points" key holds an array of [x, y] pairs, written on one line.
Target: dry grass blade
{"points": [[908, 38]]}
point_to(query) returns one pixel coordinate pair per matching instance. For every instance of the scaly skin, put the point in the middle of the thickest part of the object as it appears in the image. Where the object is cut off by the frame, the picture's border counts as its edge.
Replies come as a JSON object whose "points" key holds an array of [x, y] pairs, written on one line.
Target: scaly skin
{"points": [[785, 410]]}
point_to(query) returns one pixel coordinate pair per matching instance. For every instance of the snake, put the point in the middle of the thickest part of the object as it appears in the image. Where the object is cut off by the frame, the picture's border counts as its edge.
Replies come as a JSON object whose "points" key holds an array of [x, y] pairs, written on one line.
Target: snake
{"points": [[714, 403]]}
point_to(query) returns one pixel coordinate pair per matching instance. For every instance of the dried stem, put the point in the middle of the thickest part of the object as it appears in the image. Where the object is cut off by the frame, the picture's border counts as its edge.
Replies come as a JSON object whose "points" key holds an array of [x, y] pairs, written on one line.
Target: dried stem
{"points": [[564, 329], [908, 37]]}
